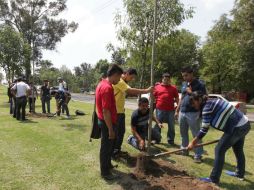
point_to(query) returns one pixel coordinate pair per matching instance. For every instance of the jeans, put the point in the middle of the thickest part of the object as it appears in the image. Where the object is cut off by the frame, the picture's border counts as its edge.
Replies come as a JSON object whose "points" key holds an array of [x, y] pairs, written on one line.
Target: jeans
{"points": [[236, 141], [63, 105], [120, 131], [106, 149], [44, 101], [190, 120], [21, 104], [11, 105], [133, 141], [14, 108], [169, 118], [31, 100]]}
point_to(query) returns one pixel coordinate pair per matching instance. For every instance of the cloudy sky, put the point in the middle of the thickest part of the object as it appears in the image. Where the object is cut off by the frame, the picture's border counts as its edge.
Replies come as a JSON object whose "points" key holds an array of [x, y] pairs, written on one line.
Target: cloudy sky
{"points": [[96, 28]]}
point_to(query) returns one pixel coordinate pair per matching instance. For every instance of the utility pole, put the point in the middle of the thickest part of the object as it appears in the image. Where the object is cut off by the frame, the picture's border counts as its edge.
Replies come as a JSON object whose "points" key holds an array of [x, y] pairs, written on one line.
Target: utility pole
{"points": [[152, 77]]}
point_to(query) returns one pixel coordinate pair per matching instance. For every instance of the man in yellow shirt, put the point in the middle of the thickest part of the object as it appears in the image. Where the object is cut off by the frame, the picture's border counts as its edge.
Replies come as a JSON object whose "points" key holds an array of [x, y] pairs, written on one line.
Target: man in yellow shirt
{"points": [[120, 91]]}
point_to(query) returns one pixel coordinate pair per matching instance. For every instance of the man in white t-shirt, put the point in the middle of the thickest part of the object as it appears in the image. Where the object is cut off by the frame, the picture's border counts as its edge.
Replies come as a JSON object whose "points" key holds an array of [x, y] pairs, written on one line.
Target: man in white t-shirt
{"points": [[21, 89]]}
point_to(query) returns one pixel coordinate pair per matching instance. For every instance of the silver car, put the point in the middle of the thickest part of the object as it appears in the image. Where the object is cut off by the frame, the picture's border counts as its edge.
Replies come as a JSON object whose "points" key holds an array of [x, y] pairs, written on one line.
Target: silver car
{"points": [[237, 104]]}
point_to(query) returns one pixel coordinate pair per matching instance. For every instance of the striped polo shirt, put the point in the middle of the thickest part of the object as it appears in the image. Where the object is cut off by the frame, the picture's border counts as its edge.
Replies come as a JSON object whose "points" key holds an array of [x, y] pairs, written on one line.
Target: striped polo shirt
{"points": [[220, 115]]}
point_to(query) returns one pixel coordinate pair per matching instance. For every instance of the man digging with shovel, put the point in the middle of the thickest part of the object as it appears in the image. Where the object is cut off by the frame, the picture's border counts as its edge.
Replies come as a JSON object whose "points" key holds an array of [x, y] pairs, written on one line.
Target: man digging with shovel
{"points": [[224, 117]]}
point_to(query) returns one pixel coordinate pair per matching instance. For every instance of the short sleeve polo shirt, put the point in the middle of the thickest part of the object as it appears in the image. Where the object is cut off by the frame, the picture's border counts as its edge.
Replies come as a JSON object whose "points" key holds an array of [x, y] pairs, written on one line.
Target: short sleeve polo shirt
{"points": [[105, 100]]}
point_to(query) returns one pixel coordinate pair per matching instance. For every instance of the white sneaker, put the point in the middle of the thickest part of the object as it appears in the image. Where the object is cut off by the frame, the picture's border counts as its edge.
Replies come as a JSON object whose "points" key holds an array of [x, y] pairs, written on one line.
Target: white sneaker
{"points": [[67, 117]]}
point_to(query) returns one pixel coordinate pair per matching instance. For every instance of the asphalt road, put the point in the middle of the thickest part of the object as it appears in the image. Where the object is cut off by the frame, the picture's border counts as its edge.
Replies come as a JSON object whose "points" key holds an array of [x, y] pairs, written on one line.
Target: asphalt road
{"points": [[130, 104]]}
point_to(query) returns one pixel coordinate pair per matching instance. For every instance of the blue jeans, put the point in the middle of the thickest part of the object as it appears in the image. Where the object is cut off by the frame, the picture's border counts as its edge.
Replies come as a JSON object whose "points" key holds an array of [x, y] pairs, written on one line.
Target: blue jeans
{"points": [[133, 141], [169, 118], [190, 120], [236, 141]]}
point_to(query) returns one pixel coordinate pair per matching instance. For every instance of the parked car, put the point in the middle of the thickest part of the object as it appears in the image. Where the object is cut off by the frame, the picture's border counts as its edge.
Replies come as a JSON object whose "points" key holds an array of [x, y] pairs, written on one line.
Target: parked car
{"points": [[237, 104]]}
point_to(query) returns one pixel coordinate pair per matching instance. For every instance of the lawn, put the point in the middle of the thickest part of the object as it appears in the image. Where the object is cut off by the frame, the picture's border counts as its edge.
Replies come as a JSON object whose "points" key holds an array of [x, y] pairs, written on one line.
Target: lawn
{"points": [[55, 153]]}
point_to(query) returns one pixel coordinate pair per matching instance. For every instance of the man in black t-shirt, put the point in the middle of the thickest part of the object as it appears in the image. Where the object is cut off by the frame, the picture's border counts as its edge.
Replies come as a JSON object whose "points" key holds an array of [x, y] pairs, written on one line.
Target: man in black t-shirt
{"points": [[139, 126], [45, 96]]}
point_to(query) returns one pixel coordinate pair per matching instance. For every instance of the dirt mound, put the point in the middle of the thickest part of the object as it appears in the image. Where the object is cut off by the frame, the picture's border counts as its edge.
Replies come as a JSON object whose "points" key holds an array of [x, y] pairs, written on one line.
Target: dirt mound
{"points": [[162, 175], [39, 115]]}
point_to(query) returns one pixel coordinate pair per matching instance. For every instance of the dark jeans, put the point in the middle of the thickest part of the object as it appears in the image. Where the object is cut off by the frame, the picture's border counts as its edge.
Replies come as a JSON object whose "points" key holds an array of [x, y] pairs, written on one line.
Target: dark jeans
{"points": [[11, 106], [21, 104], [31, 101], [45, 101], [14, 107], [120, 131], [156, 136], [106, 149], [236, 141]]}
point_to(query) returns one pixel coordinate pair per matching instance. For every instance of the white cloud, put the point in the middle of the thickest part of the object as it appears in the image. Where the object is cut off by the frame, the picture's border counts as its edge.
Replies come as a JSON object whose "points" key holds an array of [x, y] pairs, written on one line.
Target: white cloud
{"points": [[211, 4]]}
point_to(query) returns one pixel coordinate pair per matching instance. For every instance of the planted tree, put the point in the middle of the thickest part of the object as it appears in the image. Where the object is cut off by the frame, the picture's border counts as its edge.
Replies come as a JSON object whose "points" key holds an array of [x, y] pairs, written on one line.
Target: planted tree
{"points": [[135, 29]]}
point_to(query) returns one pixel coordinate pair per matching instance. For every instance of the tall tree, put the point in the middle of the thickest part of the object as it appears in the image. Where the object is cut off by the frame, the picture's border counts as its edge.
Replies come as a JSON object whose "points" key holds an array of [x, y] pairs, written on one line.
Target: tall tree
{"points": [[176, 50], [222, 57], [136, 28], [243, 24], [13, 52], [38, 21]]}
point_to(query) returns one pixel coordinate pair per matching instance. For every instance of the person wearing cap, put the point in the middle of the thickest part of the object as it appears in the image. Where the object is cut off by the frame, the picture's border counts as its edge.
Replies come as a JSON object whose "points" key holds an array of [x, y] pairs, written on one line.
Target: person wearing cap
{"points": [[21, 90], [32, 97], [166, 95], [64, 88], [221, 115], [45, 96], [189, 117], [120, 90]]}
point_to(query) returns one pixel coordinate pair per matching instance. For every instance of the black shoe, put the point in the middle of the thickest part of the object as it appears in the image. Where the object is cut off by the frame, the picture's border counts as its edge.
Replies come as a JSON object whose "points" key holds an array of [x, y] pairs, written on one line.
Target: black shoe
{"points": [[110, 177], [113, 166]]}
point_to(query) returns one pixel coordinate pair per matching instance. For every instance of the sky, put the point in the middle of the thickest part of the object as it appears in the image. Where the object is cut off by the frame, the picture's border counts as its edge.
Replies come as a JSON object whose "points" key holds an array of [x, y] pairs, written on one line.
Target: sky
{"points": [[96, 28]]}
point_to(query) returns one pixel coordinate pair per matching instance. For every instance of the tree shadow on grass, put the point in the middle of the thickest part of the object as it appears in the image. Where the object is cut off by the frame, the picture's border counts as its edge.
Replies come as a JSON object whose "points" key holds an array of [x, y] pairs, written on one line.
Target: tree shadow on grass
{"points": [[28, 121], [72, 117], [243, 186], [71, 127], [5, 105], [128, 181], [227, 166]]}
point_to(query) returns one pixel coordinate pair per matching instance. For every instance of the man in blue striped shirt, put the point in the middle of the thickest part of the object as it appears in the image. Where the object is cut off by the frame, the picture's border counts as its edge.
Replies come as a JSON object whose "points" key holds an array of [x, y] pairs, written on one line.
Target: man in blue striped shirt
{"points": [[223, 116]]}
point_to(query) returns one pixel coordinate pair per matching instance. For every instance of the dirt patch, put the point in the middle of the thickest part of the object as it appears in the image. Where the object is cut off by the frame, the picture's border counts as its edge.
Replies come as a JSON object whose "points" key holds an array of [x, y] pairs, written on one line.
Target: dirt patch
{"points": [[159, 174], [39, 115]]}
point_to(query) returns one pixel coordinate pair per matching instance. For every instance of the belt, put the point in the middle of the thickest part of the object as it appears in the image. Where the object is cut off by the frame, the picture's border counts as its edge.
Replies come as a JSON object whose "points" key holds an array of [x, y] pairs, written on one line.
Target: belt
{"points": [[21, 97]]}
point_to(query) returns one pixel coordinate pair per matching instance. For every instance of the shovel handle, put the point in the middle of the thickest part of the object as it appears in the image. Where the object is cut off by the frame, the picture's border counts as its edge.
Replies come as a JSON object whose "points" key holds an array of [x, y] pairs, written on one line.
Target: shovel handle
{"points": [[180, 150]]}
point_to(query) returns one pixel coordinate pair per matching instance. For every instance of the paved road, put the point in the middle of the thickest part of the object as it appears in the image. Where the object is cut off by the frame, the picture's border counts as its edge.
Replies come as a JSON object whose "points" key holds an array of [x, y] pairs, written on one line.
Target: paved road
{"points": [[130, 104], [90, 99]]}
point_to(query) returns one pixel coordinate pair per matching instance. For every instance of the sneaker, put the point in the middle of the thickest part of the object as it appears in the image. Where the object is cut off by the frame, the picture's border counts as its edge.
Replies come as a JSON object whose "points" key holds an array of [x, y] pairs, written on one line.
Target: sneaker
{"points": [[206, 179], [197, 160], [171, 142], [113, 166], [67, 117], [234, 174], [110, 177]]}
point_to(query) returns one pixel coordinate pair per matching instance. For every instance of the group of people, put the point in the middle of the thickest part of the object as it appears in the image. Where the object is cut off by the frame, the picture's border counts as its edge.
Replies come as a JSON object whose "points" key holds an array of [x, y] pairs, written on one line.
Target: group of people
{"points": [[20, 93], [193, 110]]}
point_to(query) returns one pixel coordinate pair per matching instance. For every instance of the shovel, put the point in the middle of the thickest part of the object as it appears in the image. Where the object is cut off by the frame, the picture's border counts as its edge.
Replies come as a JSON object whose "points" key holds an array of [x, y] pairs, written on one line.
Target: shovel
{"points": [[143, 158], [180, 150]]}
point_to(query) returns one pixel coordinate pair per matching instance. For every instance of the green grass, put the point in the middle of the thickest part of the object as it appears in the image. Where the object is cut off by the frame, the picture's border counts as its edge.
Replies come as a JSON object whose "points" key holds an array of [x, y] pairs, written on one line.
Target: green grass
{"points": [[55, 153], [250, 110]]}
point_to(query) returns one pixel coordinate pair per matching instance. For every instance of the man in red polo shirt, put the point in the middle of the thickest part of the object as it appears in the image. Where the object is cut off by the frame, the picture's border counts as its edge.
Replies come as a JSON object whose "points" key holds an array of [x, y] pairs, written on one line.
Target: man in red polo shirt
{"points": [[165, 96], [107, 117]]}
